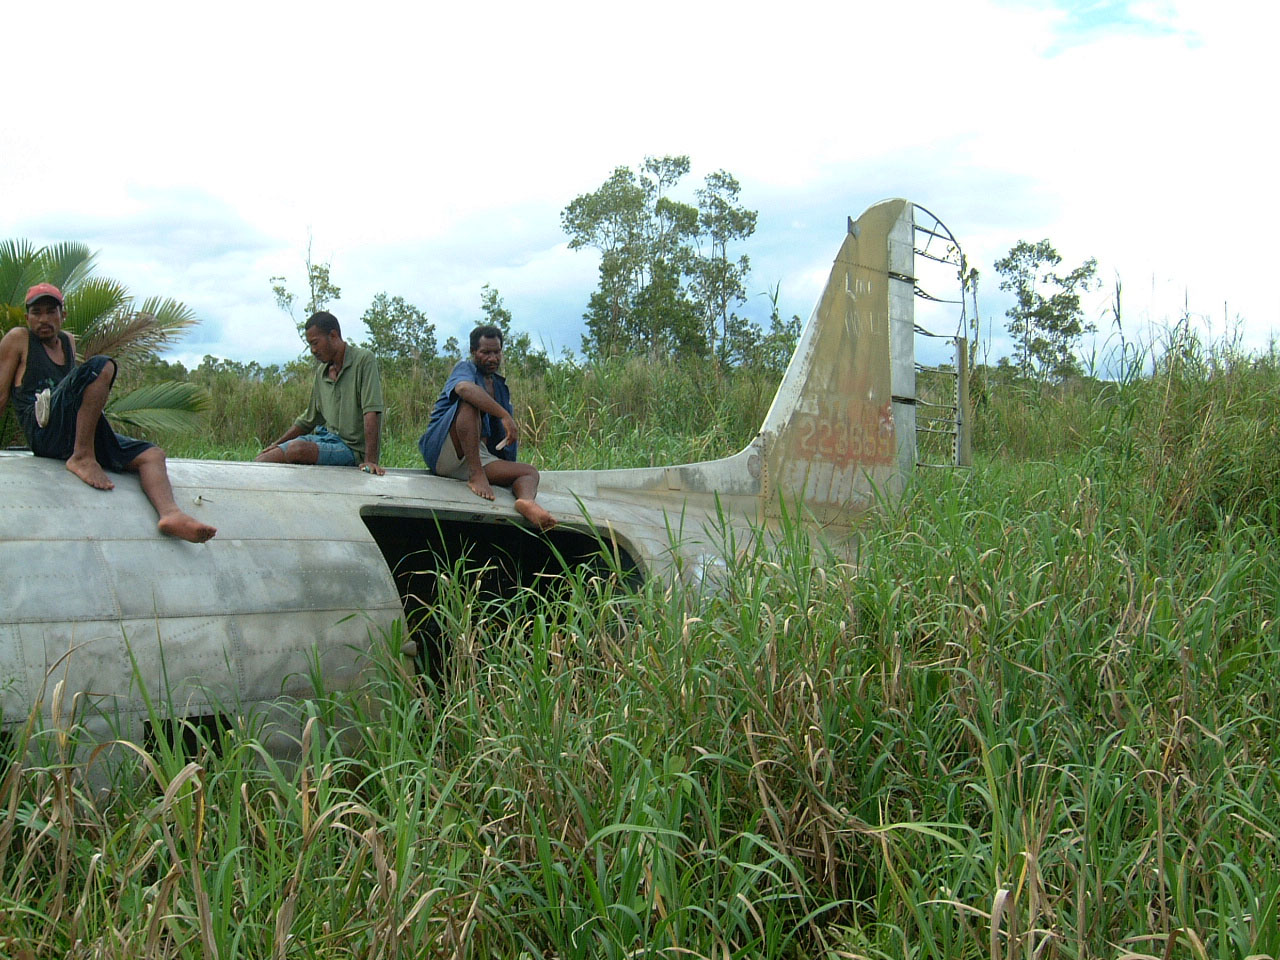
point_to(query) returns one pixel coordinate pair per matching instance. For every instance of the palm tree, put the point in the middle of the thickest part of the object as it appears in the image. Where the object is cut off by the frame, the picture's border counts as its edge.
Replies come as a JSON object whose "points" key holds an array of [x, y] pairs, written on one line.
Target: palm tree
{"points": [[104, 319]]}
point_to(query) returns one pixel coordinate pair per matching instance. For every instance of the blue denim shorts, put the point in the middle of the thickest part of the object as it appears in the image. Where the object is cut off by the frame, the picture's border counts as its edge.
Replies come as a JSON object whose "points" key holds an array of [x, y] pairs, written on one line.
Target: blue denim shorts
{"points": [[333, 452]]}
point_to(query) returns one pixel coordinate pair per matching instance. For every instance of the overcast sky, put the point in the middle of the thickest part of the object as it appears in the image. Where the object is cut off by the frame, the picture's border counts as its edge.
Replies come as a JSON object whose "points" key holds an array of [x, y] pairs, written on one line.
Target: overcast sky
{"points": [[428, 149]]}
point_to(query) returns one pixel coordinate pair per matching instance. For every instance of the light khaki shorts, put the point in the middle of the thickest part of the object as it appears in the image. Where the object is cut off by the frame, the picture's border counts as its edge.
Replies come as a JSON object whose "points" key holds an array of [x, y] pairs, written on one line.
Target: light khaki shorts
{"points": [[449, 465]]}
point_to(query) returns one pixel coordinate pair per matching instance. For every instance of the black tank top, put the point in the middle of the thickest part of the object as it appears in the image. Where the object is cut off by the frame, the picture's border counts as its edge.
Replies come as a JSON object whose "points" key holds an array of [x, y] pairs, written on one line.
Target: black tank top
{"points": [[41, 372]]}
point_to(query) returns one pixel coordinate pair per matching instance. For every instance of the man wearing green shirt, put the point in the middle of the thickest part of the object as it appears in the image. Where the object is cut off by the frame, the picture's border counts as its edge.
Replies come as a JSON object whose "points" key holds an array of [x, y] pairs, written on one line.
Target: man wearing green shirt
{"points": [[341, 424]]}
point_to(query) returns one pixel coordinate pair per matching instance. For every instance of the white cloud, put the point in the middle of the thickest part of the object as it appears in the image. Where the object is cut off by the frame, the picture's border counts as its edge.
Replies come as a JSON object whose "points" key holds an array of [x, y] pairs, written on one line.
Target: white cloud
{"points": [[429, 150]]}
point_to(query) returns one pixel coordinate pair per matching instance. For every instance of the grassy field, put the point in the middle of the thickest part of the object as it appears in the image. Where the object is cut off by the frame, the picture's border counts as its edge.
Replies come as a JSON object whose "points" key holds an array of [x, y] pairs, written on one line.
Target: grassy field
{"points": [[1034, 716], [609, 414]]}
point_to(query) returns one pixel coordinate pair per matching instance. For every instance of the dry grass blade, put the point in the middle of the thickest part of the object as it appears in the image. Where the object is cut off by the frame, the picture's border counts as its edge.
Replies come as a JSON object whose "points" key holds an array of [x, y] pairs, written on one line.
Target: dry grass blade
{"points": [[998, 903]]}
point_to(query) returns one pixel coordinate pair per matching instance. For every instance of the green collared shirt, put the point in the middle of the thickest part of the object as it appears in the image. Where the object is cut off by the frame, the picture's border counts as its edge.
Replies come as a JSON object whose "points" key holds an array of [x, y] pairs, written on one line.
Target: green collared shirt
{"points": [[341, 404]]}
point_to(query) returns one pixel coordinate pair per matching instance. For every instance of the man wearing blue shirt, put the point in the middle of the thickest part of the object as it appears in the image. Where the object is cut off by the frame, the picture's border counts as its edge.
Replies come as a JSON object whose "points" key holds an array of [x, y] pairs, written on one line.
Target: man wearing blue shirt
{"points": [[472, 434]]}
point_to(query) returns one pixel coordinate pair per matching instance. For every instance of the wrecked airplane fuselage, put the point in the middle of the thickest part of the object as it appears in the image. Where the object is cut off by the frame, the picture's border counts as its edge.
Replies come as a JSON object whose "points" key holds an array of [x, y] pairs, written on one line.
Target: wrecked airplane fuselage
{"points": [[309, 560]]}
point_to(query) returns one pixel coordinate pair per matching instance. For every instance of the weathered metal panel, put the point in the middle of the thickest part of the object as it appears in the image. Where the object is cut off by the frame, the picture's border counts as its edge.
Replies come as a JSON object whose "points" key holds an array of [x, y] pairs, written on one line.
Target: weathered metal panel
{"points": [[187, 661], [18, 681], [89, 659], [280, 575], [249, 657], [837, 439], [54, 579], [96, 598]]}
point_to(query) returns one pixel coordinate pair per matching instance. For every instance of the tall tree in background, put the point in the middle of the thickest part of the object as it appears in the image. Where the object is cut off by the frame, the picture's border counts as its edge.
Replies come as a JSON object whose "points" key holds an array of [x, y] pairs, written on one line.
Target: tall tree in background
{"points": [[666, 322], [720, 282], [104, 318], [495, 311], [642, 235], [320, 289], [1046, 321], [518, 350], [609, 220], [399, 331], [667, 281]]}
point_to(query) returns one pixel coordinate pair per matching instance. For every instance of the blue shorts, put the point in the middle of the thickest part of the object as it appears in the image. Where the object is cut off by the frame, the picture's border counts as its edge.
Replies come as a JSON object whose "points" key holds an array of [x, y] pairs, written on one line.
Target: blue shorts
{"points": [[332, 451], [57, 438]]}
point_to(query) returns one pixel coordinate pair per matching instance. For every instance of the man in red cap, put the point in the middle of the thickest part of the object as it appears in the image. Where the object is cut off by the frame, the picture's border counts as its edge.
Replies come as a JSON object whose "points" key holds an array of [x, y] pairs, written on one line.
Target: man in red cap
{"points": [[60, 404]]}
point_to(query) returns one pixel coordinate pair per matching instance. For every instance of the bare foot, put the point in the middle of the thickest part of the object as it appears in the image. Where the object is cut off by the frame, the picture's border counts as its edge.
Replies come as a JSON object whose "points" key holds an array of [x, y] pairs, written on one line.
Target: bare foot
{"points": [[534, 512], [91, 472], [184, 527], [480, 486]]}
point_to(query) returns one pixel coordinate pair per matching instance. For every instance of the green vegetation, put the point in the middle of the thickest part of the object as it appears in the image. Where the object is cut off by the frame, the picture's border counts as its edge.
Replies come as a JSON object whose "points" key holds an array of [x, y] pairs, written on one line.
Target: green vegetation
{"points": [[1034, 716], [612, 413], [321, 291], [104, 318], [1046, 320], [668, 286]]}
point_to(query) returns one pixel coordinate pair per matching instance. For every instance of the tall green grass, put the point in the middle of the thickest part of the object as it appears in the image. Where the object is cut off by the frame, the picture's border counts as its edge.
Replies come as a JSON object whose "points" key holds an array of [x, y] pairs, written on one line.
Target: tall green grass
{"points": [[1032, 714], [615, 413]]}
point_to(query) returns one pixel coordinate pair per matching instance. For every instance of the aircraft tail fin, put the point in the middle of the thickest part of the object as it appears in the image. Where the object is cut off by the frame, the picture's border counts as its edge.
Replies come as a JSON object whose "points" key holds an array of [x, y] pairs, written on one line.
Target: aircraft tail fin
{"points": [[841, 429], [842, 426]]}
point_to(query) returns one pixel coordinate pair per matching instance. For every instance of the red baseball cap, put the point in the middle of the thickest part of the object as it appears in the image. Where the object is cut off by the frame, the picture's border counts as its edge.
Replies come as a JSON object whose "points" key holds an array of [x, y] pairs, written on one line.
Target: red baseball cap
{"points": [[43, 290]]}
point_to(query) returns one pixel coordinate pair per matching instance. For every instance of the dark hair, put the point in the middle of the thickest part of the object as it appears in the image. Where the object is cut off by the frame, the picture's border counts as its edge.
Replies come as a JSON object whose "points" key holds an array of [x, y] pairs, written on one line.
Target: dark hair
{"points": [[485, 330], [324, 321]]}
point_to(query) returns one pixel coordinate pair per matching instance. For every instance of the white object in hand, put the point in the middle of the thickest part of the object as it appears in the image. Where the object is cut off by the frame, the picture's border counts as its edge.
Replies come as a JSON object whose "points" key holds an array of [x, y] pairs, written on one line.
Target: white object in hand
{"points": [[42, 407]]}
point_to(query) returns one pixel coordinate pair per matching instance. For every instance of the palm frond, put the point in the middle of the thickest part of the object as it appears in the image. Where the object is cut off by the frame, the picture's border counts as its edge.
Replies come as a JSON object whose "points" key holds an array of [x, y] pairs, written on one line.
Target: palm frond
{"points": [[17, 269], [116, 336], [100, 311], [130, 333], [10, 316], [96, 301], [168, 405], [66, 265], [171, 315]]}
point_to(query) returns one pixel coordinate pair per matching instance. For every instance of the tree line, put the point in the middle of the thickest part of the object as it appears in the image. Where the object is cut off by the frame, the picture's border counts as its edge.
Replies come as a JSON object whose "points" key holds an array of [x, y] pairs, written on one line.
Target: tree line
{"points": [[672, 281]]}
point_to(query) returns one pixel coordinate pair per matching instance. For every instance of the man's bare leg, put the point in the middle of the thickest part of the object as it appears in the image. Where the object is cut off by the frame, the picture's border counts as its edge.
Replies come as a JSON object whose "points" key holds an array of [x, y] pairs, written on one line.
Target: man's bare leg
{"points": [[530, 509], [522, 478], [83, 461], [296, 451], [465, 435], [153, 476]]}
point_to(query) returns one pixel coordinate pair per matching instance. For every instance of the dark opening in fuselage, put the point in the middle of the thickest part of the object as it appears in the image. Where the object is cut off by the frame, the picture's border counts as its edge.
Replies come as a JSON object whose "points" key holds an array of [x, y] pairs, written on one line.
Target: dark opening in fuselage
{"points": [[428, 552]]}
